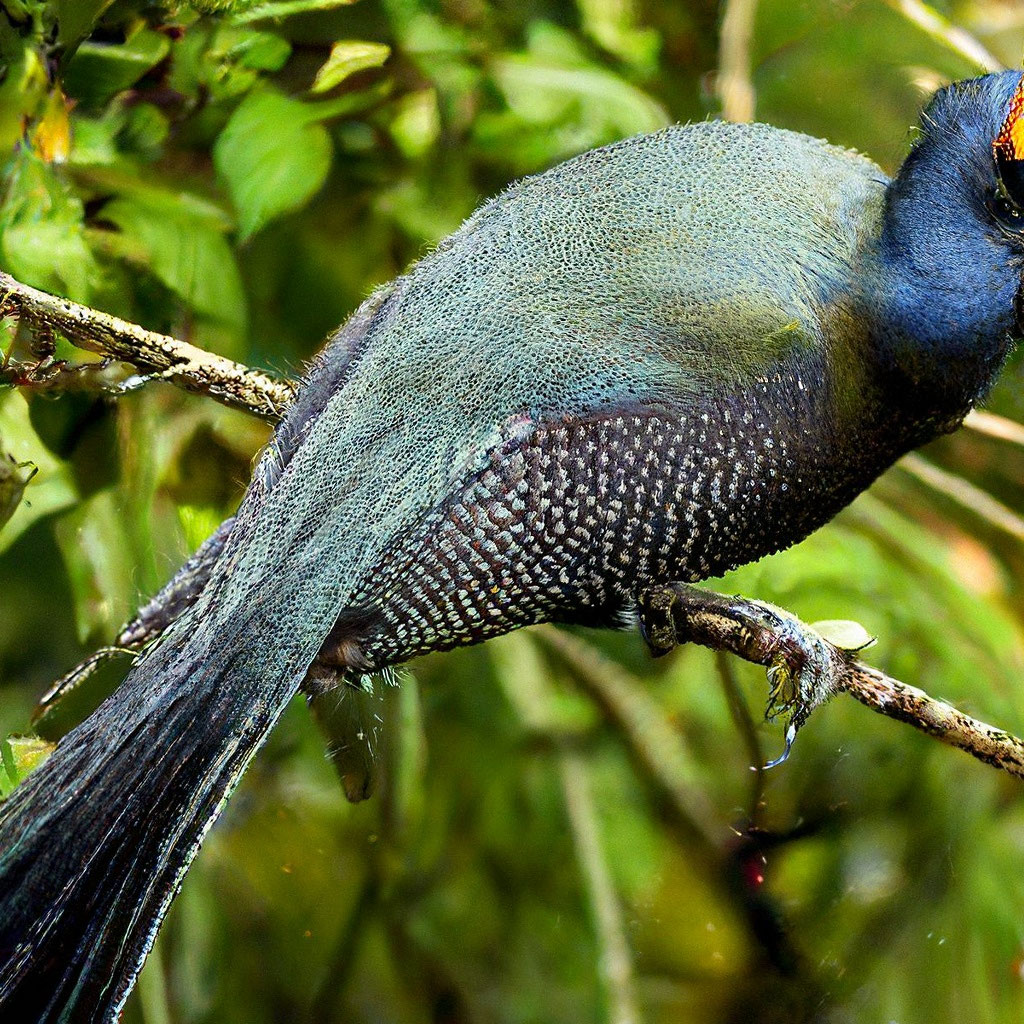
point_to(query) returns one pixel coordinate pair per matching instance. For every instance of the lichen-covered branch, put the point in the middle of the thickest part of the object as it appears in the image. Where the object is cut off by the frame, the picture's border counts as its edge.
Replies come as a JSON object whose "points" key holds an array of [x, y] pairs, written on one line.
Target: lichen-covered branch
{"points": [[154, 354], [890, 697]]}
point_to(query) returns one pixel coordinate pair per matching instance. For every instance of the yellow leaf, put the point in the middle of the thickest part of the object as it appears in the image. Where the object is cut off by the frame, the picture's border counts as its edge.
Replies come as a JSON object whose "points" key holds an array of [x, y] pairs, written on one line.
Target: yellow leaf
{"points": [[844, 634], [28, 753], [347, 57], [52, 136]]}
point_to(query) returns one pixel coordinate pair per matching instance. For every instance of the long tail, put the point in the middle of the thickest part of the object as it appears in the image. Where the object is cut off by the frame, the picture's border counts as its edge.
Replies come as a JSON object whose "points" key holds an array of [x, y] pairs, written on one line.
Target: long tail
{"points": [[94, 845]]}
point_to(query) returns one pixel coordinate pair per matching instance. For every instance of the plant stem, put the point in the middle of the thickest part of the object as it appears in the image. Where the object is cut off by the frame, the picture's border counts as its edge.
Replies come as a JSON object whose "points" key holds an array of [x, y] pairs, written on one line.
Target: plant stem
{"points": [[616, 966]]}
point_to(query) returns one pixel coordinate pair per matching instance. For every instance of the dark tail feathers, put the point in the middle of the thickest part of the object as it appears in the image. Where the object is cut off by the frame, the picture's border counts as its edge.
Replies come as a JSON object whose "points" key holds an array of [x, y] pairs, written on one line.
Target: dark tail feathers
{"points": [[94, 845]]}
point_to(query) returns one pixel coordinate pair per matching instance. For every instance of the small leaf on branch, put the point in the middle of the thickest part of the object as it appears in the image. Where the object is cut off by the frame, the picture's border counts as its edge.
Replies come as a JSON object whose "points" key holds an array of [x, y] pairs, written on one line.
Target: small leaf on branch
{"points": [[285, 8], [348, 57], [845, 634]]}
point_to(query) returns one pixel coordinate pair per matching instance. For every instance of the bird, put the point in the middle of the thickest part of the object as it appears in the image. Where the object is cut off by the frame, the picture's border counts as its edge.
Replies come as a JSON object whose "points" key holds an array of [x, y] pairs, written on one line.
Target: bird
{"points": [[654, 362]]}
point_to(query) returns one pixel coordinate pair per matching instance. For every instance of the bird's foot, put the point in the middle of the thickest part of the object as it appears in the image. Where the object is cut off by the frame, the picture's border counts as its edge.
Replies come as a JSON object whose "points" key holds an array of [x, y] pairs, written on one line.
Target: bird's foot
{"points": [[804, 668]]}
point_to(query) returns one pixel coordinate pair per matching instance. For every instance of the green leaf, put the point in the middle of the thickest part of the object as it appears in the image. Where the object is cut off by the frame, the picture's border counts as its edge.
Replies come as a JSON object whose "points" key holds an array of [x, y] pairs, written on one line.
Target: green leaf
{"points": [[50, 490], [272, 157], [616, 27], [261, 51], [540, 91], [41, 231], [99, 71], [98, 554], [19, 756], [75, 18], [186, 253], [94, 140], [349, 56], [163, 195], [559, 102], [285, 8]]}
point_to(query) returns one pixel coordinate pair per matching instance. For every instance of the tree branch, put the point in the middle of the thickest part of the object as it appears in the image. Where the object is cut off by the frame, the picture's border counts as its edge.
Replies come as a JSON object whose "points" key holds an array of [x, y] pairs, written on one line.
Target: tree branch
{"points": [[157, 355], [888, 696]]}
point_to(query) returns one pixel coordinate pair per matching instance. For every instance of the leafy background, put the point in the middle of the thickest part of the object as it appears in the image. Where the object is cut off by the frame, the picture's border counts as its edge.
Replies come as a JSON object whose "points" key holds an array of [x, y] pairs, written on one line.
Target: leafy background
{"points": [[550, 840]]}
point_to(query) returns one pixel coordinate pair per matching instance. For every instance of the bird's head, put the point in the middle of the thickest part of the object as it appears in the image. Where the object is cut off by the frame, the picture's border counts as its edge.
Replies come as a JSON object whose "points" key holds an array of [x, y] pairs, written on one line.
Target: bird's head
{"points": [[952, 249]]}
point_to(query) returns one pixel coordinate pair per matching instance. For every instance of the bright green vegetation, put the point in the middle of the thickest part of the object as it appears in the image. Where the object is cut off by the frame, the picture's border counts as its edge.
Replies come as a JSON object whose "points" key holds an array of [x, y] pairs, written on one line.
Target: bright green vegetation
{"points": [[242, 174]]}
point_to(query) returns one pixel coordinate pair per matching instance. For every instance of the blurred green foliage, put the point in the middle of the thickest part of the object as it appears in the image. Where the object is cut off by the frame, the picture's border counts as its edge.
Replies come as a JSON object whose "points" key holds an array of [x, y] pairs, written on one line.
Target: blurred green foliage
{"points": [[242, 174]]}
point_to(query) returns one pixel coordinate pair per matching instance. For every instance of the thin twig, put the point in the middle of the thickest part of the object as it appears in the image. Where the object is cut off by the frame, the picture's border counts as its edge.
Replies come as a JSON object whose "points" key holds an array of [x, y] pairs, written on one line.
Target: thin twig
{"points": [[177, 361], [939, 28], [734, 85], [888, 696], [992, 425], [615, 962], [965, 494], [744, 722], [653, 744]]}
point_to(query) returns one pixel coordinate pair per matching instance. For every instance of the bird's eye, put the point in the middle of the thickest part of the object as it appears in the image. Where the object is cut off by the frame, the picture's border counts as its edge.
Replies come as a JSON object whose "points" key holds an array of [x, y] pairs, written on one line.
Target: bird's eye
{"points": [[1006, 211]]}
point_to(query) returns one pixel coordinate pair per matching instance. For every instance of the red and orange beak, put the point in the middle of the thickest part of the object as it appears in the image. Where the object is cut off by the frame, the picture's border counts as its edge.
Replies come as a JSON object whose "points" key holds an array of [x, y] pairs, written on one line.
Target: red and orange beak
{"points": [[1008, 146]]}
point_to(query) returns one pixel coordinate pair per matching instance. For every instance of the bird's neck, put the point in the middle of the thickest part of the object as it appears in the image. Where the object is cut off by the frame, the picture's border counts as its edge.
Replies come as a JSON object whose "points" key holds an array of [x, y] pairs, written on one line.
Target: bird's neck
{"points": [[941, 305]]}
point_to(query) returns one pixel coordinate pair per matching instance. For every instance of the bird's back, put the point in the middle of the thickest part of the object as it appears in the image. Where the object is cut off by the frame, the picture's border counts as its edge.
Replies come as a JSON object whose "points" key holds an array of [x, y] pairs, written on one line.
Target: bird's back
{"points": [[693, 244]]}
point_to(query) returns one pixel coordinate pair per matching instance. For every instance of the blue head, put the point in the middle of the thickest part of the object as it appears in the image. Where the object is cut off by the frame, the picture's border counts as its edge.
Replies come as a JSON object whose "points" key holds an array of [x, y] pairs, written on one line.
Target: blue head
{"points": [[952, 247]]}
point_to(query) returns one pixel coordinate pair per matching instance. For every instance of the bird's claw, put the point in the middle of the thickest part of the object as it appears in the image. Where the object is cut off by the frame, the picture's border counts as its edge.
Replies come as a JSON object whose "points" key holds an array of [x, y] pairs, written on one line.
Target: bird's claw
{"points": [[791, 731], [803, 667], [803, 671]]}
